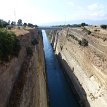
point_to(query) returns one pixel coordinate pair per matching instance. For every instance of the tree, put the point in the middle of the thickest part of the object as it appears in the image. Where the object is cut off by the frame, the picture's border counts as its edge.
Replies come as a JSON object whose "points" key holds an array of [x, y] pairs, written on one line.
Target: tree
{"points": [[68, 25], [84, 24], [30, 25], [3, 23], [13, 23], [25, 24], [19, 22], [103, 26], [35, 26], [9, 22]]}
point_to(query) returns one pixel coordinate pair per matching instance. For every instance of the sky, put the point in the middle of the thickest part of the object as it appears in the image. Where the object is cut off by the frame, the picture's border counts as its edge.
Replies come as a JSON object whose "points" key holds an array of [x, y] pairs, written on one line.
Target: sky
{"points": [[43, 12]]}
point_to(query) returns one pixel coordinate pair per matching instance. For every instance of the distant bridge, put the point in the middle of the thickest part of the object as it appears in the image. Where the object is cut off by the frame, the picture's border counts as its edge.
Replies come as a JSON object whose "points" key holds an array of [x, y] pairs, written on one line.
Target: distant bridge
{"points": [[53, 28]]}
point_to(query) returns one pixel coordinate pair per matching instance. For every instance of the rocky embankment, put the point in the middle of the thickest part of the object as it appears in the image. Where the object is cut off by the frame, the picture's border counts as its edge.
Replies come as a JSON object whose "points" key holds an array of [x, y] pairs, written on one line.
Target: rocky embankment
{"points": [[23, 79], [86, 66]]}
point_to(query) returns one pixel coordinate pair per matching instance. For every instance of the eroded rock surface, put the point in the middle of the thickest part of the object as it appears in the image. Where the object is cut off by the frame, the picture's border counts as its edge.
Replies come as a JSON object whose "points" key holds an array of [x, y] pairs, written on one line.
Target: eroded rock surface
{"points": [[86, 66], [23, 79]]}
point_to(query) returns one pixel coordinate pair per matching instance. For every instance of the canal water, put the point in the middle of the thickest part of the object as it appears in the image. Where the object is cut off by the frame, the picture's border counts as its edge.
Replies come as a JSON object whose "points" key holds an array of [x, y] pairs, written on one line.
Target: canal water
{"points": [[60, 94]]}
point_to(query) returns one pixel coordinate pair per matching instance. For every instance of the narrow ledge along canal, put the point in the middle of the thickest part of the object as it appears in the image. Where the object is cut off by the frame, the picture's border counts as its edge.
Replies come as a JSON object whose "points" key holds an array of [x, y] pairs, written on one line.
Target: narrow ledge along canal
{"points": [[60, 94]]}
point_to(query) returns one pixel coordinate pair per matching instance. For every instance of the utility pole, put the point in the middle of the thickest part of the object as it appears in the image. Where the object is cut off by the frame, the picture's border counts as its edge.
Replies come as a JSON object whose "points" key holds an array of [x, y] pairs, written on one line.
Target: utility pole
{"points": [[14, 15]]}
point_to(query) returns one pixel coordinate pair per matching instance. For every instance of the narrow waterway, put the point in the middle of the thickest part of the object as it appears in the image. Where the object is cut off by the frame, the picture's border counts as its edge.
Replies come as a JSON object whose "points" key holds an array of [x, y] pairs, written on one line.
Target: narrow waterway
{"points": [[60, 94]]}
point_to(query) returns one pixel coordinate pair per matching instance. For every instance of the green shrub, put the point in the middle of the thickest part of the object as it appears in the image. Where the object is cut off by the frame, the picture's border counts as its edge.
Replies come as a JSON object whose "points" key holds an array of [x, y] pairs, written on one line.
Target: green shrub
{"points": [[34, 41], [104, 39], [9, 27], [16, 48], [8, 45], [86, 30], [29, 51], [18, 27], [39, 32], [95, 30], [103, 26], [89, 32], [83, 42], [74, 37]]}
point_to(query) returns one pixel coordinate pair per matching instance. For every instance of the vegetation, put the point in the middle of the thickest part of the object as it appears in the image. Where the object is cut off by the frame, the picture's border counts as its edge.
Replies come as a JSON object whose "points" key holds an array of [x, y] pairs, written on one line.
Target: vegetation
{"points": [[30, 25], [89, 32], [103, 26], [84, 24], [86, 30], [19, 23], [83, 42], [72, 25], [9, 45], [34, 41], [75, 38], [3, 23], [69, 25], [39, 32], [16, 47], [9, 27], [25, 24], [29, 51], [13, 23]]}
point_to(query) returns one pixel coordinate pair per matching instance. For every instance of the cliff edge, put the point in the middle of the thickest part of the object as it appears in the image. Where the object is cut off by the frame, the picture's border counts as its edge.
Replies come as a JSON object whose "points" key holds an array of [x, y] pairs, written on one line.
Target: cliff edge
{"points": [[23, 79]]}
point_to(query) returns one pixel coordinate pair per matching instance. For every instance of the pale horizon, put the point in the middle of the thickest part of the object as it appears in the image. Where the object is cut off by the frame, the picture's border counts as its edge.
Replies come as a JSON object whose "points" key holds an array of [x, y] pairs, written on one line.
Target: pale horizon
{"points": [[44, 12]]}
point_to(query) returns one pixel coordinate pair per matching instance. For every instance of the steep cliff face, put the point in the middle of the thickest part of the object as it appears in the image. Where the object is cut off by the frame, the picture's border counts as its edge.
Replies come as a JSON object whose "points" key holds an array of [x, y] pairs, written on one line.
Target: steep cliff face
{"points": [[85, 66], [34, 91], [23, 79]]}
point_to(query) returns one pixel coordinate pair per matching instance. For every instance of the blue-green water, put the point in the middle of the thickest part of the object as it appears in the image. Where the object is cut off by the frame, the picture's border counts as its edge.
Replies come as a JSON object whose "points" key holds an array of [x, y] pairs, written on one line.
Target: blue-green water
{"points": [[60, 94]]}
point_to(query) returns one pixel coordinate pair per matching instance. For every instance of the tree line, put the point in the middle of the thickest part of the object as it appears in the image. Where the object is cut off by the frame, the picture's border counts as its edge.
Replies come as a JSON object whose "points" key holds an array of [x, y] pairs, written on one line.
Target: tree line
{"points": [[13, 23]]}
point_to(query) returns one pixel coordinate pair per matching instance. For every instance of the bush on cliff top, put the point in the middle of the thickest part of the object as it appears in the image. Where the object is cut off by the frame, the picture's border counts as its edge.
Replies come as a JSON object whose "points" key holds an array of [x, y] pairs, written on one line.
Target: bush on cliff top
{"points": [[9, 45], [103, 26], [34, 41], [83, 42]]}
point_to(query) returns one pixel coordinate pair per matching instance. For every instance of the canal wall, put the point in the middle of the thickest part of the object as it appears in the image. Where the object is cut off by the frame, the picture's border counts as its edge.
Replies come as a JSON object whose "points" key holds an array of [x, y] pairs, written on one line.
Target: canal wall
{"points": [[87, 81], [23, 79]]}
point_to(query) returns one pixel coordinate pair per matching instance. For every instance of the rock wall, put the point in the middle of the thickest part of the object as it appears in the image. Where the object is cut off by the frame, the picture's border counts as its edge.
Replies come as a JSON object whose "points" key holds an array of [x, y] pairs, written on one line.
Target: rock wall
{"points": [[84, 69], [34, 91], [23, 79]]}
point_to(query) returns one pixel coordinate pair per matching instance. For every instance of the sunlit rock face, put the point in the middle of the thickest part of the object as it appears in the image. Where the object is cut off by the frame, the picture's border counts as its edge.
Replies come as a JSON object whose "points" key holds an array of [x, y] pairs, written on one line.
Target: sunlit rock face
{"points": [[86, 66]]}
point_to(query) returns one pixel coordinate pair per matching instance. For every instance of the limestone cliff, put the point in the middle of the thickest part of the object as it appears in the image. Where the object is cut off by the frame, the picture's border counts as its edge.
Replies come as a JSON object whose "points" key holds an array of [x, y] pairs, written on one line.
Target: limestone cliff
{"points": [[86, 66]]}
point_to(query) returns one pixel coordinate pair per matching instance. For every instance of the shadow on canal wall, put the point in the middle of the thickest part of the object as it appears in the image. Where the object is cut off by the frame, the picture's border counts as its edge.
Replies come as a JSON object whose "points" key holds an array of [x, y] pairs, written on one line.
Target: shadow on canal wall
{"points": [[74, 83]]}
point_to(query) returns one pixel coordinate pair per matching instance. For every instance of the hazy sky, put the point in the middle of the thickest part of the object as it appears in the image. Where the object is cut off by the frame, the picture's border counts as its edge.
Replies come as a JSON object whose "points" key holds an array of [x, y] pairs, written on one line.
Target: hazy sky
{"points": [[47, 11]]}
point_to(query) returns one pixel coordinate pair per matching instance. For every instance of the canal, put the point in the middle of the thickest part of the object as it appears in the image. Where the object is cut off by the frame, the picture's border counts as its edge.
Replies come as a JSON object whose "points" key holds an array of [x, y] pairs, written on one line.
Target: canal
{"points": [[60, 94]]}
